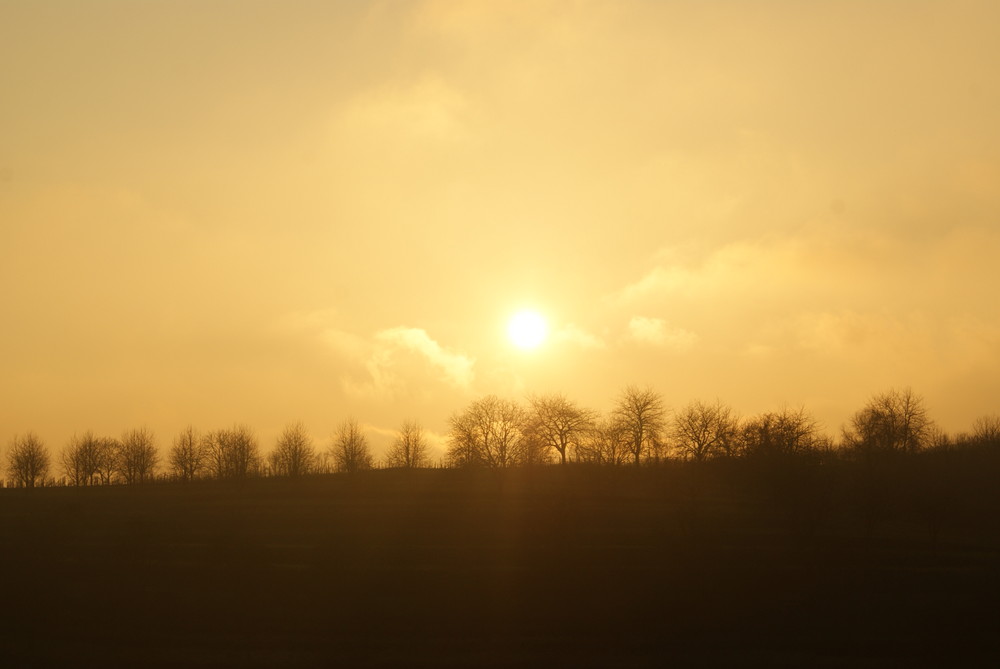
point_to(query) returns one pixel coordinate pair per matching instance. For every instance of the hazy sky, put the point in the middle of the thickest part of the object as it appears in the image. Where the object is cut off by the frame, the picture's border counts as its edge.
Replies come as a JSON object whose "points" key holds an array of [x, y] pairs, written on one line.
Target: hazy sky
{"points": [[262, 212]]}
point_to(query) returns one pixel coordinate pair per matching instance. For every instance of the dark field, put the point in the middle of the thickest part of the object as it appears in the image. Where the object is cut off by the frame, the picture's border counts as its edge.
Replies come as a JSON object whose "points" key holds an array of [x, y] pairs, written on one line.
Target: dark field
{"points": [[722, 564]]}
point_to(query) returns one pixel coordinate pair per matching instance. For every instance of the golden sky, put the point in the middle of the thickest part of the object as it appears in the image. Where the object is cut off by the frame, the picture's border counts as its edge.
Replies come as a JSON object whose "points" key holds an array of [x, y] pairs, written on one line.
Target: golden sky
{"points": [[263, 212]]}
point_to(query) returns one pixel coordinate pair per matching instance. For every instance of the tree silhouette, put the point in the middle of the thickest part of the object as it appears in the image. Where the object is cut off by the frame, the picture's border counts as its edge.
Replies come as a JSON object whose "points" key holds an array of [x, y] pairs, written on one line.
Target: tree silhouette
{"points": [[350, 450], [643, 414], [82, 459], [137, 456], [892, 422], [28, 461], [108, 456], [606, 443], [409, 450], [701, 430], [986, 431], [188, 455], [784, 432], [294, 454], [489, 433], [558, 423], [232, 453]]}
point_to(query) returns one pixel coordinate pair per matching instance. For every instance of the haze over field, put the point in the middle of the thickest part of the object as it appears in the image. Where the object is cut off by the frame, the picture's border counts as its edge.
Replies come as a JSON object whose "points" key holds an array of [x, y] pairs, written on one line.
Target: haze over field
{"points": [[263, 212]]}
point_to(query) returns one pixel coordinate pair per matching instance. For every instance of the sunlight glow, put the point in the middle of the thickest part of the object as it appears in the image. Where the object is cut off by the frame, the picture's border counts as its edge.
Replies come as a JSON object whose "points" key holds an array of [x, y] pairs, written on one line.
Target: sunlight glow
{"points": [[527, 329]]}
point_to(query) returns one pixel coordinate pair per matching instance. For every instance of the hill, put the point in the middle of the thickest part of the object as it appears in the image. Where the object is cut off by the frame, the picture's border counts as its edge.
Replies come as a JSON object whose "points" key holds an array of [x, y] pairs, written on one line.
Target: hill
{"points": [[709, 564]]}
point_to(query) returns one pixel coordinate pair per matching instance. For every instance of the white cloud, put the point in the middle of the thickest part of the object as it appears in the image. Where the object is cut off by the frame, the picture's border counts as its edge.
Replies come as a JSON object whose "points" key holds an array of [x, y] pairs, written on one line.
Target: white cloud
{"points": [[428, 109], [392, 361], [659, 280], [957, 343], [658, 332], [822, 264], [831, 333], [577, 336], [456, 367]]}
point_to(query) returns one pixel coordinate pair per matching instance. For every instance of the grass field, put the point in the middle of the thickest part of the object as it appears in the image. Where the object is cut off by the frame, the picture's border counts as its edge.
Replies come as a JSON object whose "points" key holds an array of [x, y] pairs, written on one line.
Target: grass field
{"points": [[721, 564]]}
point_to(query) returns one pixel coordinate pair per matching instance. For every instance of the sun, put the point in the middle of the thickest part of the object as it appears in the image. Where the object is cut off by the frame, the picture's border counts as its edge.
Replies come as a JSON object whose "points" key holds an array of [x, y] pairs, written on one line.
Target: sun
{"points": [[527, 329]]}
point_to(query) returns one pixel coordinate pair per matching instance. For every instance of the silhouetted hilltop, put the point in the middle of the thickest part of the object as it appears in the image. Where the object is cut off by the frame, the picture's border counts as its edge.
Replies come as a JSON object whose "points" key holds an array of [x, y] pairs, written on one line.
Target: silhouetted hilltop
{"points": [[709, 563]]}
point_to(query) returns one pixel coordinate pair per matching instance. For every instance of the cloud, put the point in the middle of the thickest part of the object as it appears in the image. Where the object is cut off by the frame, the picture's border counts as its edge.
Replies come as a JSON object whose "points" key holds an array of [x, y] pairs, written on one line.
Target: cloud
{"points": [[577, 336], [964, 342], [392, 361], [456, 367], [821, 270], [779, 266], [426, 110], [851, 332], [322, 324], [658, 280], [657, 332]]}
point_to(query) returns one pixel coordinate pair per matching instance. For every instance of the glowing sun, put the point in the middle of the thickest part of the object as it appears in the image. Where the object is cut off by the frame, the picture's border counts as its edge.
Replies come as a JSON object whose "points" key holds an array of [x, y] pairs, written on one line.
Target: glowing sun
{"points": [[527, 329]]}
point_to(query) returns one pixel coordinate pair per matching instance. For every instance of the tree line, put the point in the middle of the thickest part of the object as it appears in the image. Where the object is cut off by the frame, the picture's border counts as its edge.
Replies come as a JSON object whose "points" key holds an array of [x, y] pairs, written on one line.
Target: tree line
{"points": [[230, 453], [494, 432]]}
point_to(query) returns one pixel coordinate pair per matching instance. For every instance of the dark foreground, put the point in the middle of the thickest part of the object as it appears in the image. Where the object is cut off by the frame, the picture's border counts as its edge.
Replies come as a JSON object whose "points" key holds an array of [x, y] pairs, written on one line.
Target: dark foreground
{"points": [[721, 565]]}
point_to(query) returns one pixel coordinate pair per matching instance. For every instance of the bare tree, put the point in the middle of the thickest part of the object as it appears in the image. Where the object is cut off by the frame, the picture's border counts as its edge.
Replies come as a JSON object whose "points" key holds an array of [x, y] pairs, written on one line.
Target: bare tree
{"points": [[606, 443], [643, 413], [108, 456], [294, 454], [558, 423], [701, 430], [784, 432], [892, 422], [942, 441], [350, 450], [188, 455], [137, 456], [986, 431], [232, 453], [463, 441], [214, 446], [409, 450], [489, 433], [81, 459], [534, 451], [28, 461]]}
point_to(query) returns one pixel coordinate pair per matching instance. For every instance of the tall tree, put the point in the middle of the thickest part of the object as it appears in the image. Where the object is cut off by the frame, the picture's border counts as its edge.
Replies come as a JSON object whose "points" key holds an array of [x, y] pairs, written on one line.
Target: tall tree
{"points": [[108, 456], [85, 458], [606, 443], [188, 455], [489, 433], [644, 415], [294, 455], [986, 431], [409, 450], [775, 433], [232, 453], [895, 421], [350, 450], [137, 456], [702, 430], [28, 461], [558, 423]]}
